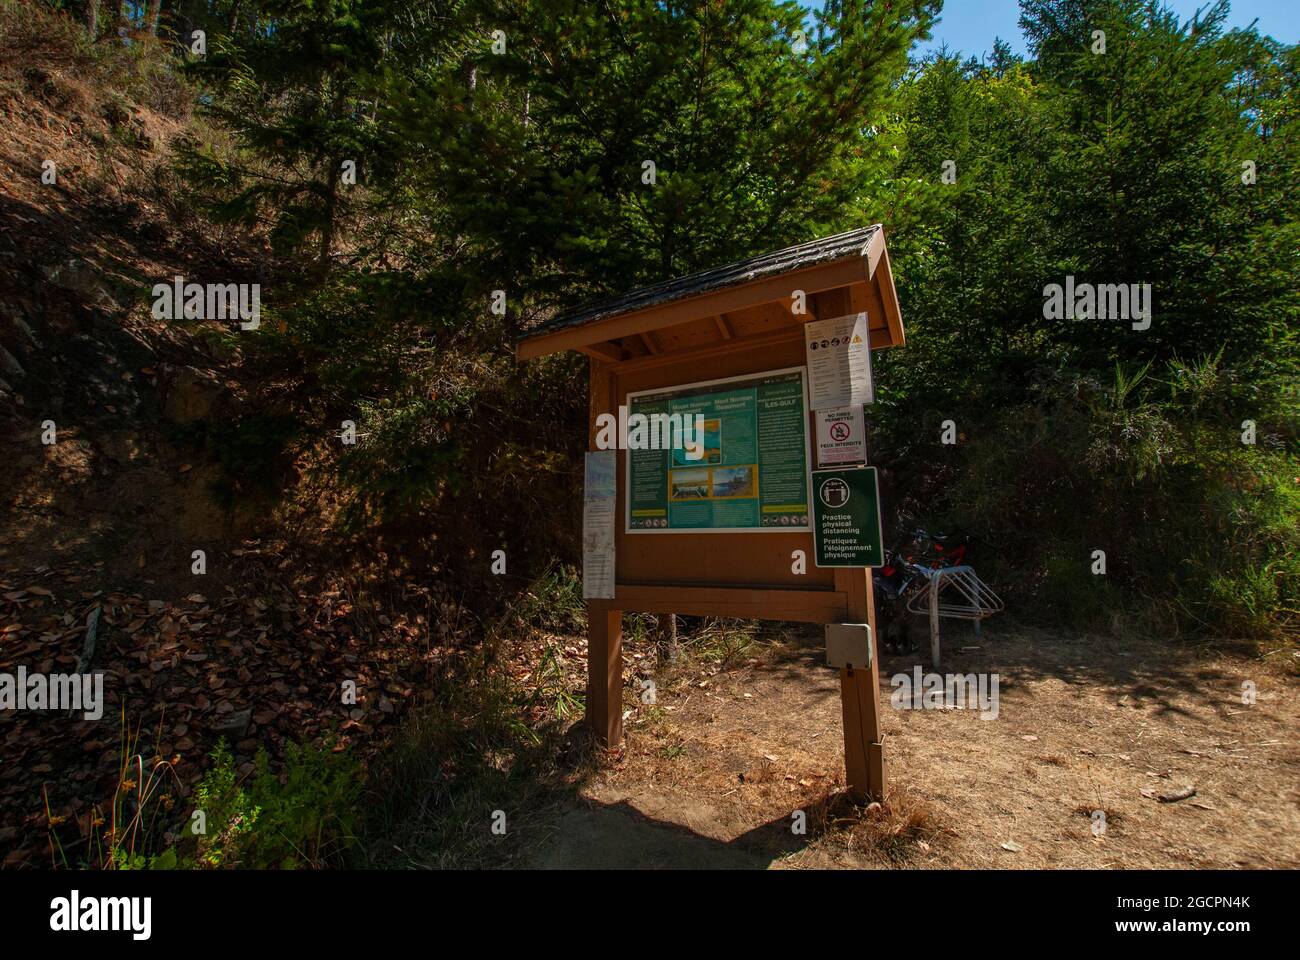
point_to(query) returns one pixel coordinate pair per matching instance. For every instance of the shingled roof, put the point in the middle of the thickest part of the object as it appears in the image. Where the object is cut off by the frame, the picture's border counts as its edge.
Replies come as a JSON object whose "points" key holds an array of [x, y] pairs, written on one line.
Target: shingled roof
{"points": [[852, 243]]}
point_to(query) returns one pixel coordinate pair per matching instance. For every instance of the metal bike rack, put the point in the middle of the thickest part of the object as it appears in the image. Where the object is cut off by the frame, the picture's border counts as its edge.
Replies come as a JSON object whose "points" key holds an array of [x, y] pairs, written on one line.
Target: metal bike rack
{"points": [[955, 592]]}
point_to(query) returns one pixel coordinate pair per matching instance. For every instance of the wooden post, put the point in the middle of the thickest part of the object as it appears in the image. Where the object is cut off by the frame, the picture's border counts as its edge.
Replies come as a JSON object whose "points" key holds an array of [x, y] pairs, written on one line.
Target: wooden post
{"points": [[864, 747], [604, 625], [605, 674]]}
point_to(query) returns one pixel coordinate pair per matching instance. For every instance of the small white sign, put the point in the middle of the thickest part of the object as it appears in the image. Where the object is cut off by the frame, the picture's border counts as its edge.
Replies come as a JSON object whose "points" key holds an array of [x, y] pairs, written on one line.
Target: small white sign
{"points": [[848, 645], [841, 436], [839, 362], [598, 509]]}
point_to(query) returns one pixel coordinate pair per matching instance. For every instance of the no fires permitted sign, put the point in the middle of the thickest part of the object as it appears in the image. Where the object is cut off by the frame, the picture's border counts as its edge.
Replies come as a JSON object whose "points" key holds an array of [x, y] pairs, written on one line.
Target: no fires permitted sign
{"points": [[841, 436], [846, 517]]}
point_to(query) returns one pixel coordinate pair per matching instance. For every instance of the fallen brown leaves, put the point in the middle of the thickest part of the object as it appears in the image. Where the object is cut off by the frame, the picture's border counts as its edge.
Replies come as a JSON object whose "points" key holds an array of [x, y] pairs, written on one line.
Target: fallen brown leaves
{"points": [[261, 665]]}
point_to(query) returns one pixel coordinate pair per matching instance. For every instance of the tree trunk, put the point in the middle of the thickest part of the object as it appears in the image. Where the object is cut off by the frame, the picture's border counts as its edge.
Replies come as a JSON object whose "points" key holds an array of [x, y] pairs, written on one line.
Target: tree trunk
{"points": [[155, 12], [333, 173], [92, 20]]}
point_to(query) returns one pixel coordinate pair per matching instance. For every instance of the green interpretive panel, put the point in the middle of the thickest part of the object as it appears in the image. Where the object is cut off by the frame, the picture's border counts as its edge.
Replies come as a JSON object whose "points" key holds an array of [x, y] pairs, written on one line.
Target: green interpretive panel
{"points": [[738, 460]]}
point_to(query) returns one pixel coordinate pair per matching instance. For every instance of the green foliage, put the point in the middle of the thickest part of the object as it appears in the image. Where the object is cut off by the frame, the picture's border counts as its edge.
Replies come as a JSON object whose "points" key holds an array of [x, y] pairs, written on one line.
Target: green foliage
{"points": [[308, 811], [752, 141], [168, 859], [302, 816], [1123, 167], [552, 603], [299, 96], [1153, 472], [523, 171], [478, 744], [230, 813], [551, 607]]}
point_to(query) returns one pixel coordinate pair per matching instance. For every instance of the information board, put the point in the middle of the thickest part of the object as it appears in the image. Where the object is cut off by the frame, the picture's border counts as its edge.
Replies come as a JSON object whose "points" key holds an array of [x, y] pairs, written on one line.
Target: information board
{"points": [[752, 471]]}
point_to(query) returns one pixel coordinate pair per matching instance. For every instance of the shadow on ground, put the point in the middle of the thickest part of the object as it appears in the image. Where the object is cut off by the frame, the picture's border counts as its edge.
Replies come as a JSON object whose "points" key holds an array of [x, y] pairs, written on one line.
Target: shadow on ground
{"points": [[619, 837], [1149, 670]]}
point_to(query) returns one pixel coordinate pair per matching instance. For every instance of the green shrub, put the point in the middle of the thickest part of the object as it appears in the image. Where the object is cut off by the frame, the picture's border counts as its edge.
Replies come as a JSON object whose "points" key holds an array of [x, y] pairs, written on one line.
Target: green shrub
{"points": [[168, 859], [302, 816], [309, 810], [229, 813], [1151, 469]]}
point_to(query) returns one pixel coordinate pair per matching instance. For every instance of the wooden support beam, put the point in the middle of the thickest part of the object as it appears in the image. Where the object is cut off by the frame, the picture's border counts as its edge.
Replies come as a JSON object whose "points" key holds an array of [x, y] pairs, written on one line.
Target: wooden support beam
{"points": [[605, 674], [864, 745], [714, 349], [881, 275], [648, 339], [724, 328], [604, 625], [864, 748], [609, 352], [747, 603], [600, 384]]}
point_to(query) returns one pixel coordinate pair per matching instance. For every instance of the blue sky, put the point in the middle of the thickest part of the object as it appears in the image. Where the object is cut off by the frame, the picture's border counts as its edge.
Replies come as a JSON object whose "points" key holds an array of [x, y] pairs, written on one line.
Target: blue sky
{"points": [[969, 26]]}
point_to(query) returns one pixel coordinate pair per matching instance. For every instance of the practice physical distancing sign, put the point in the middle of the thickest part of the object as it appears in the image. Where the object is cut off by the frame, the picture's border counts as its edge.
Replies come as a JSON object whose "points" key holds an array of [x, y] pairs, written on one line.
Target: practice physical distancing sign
{"points": [[846, 517]]}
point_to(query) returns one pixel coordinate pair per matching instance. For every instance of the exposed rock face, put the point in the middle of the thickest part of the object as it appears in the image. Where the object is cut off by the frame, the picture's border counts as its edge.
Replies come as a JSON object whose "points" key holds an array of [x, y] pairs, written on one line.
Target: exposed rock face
{"points": [[84, 279], [9, 366]]}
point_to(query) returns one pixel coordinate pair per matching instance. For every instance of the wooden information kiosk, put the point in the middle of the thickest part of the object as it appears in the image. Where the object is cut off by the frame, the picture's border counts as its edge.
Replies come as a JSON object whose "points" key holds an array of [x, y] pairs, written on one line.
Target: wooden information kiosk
{"points": [[705, 331]]}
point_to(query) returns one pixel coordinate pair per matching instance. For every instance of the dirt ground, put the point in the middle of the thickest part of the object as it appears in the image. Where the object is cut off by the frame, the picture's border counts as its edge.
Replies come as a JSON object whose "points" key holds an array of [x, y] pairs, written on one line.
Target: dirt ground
{"points": [[711, 773]]}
